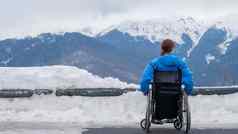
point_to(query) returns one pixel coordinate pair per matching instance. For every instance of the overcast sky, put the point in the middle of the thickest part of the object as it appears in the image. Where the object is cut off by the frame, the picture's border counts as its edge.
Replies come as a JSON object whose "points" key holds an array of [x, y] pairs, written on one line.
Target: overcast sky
{"points": [[23, 17]]}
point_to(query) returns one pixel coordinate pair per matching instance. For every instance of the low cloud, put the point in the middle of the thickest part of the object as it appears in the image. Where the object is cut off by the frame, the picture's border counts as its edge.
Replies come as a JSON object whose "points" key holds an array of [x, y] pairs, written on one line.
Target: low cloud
{"points": [[23, 17]]}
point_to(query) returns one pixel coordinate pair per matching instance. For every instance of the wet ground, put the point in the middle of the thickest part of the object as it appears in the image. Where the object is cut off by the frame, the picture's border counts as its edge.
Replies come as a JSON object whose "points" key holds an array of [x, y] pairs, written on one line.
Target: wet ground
{"points": [[74, 128]]}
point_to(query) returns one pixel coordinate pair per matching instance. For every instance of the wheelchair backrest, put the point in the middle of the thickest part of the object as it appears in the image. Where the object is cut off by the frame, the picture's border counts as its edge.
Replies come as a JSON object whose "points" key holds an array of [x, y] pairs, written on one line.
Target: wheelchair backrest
{"points": [[167, 93], [167, 82], [168, 77]]}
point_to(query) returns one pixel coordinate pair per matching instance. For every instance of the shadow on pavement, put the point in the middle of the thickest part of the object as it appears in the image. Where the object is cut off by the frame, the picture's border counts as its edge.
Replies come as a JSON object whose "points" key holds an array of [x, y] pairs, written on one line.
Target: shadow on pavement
{"points": [[157, 131]]}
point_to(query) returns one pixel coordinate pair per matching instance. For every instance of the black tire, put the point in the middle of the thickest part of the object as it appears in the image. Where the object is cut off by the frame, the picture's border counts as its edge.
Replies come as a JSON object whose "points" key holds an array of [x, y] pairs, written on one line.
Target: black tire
{"points": [[188, 122], [186, 116], [178, 124], [146, 123], [143, 124]]}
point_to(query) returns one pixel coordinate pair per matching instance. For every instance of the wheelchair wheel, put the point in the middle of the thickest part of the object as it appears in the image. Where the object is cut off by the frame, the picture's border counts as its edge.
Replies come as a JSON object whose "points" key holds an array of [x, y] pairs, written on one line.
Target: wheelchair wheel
{"points": [[178, 124], [146, 123], [186, 116], [187, 124], [143, 124]]}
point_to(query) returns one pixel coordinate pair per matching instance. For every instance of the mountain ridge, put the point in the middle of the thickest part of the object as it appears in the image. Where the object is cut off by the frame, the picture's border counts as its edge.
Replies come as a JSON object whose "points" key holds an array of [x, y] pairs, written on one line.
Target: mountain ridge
{"points": [[120, 54]]}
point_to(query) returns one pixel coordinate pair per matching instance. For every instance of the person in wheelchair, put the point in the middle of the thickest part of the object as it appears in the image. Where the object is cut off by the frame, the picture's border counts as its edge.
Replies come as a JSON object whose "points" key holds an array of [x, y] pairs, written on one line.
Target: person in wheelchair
{"points": [[167, 101], [167, 62]]}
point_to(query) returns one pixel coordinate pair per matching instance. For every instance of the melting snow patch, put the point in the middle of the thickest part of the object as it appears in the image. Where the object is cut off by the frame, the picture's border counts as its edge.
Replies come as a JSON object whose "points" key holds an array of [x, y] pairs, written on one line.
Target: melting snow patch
{"points": [[223, 48], [5, 62], [209, 58]]}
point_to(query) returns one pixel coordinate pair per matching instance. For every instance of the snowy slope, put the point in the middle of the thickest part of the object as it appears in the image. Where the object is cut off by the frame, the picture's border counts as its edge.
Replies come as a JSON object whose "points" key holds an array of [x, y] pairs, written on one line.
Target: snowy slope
{"points": [[53, 77], [158, 29], [228, 23], [174, 28], [90, 31]]}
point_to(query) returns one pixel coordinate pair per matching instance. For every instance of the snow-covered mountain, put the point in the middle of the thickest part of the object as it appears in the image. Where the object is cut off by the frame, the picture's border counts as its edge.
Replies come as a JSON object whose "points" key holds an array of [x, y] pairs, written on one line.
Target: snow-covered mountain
{"points": [[122, 51], [205, 44], [159, 29], [156, 30]]}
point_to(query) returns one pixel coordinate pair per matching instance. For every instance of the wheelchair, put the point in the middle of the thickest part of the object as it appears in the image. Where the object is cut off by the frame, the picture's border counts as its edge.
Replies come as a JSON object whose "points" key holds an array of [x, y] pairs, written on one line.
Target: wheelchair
{"points": [[167, 102]]}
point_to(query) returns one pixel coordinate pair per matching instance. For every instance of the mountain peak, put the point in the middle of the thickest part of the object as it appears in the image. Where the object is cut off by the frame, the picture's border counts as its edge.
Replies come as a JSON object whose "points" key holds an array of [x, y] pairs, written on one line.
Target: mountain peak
{"points": [[158, 29]]}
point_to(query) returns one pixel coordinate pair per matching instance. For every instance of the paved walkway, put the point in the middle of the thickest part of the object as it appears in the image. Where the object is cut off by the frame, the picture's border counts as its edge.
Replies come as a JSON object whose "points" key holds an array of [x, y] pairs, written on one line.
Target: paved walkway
{"points": [[70, 128]]}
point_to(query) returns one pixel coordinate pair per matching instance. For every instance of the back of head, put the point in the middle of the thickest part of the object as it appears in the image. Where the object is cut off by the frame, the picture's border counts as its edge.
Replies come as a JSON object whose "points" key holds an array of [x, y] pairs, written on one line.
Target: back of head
{"points": [[167, 46]]}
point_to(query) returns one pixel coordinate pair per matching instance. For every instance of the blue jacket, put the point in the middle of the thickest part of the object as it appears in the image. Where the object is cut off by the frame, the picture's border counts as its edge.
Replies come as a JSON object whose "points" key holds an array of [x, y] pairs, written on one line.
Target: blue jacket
{"points": [[167, 62]]}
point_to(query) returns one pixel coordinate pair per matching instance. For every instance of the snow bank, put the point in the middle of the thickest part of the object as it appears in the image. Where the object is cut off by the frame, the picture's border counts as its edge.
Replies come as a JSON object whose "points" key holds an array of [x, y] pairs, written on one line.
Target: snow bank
{"points": [[215, 109], [110, 110], [126, 109], [54, 77]]}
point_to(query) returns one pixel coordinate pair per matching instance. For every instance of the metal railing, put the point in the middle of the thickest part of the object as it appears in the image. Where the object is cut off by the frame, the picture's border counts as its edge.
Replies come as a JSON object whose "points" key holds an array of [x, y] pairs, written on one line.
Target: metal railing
{"points": [[101, 92]]}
